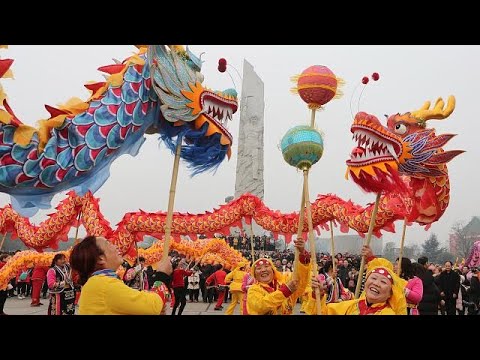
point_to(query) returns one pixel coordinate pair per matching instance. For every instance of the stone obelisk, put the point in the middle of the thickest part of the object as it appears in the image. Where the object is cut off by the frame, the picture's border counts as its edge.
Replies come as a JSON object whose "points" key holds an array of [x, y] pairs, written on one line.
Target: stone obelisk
{"points": [[249, 175]]}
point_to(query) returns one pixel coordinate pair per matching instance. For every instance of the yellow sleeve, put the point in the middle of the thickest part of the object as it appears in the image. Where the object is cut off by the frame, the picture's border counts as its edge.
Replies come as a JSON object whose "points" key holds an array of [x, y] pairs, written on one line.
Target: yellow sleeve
{"points": [[387, 311], [303, 280], [122, 299], [311, 306], [260, 302], [229, 277], [340, 308]]}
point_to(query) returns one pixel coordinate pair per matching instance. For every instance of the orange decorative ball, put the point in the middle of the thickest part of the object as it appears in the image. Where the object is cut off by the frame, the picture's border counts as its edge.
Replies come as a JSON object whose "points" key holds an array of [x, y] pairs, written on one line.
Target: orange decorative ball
{"points": [[317, 85]]}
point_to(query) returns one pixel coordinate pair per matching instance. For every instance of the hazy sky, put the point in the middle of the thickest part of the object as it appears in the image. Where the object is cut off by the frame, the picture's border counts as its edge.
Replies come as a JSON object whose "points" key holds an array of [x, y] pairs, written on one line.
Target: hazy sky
{"points": [[409, 75]]}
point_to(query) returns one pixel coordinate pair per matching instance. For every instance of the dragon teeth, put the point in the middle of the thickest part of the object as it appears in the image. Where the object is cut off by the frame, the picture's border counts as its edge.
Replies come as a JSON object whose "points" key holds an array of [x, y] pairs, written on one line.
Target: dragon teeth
{"points": [[392, 152]]}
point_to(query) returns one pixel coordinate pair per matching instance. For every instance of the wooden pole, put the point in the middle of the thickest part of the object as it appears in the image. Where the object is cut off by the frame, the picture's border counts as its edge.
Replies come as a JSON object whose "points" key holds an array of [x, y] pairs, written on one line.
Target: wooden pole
{"points": [[399, 266], [332, 246], [138, 263], [3, 240], [78, 227], [312, 118], [311, 238], [252, 243], [301, 217], [367, 242], [171, 200]]}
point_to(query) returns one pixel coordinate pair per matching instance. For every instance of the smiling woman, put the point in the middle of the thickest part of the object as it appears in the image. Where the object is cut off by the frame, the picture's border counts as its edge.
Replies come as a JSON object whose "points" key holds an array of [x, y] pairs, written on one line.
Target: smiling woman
{"points": [[383, 295], [274, 293]]}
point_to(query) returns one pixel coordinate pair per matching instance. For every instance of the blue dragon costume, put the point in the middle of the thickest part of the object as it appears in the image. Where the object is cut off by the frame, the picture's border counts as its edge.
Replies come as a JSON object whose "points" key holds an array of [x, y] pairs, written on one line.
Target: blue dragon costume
{"points": [[157, 90]]}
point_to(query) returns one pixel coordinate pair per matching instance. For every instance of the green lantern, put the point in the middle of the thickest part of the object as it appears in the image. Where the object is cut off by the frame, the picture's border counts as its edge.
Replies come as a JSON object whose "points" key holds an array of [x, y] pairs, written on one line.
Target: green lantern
{"points": [[302, 146]]}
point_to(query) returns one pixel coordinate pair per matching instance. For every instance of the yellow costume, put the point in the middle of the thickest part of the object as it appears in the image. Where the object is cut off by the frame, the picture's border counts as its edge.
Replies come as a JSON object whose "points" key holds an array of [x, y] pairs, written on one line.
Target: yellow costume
{"points": [[263, 299], [104, 295], [235, 277], [395, 305]]}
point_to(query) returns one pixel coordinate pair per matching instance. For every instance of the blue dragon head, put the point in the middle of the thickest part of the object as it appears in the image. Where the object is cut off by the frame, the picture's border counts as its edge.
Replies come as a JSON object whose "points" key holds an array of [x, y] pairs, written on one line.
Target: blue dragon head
{"points": [[193, 113]]}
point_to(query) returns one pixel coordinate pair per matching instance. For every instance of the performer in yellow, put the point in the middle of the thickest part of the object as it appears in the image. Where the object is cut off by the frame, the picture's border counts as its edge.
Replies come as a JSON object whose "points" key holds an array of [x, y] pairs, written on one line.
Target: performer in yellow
{"points": [[383, 294], [235, 278], [274, 293], [103, 293]]}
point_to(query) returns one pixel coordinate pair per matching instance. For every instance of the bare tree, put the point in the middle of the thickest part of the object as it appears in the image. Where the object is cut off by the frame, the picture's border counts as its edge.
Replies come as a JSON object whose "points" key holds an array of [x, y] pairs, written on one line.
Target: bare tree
{"points": [[462, 238]]}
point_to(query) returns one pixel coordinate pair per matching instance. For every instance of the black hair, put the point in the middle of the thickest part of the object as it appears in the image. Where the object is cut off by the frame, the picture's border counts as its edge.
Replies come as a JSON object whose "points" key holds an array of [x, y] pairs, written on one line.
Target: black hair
{"points": [[55, 258], [84, 258], [418, 270], [407, 269], [327, 266], [423, 260]]}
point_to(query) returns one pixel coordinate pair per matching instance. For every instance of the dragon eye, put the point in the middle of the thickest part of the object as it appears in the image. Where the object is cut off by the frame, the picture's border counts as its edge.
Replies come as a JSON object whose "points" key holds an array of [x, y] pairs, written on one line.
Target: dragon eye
{"points": [[400, 129]]}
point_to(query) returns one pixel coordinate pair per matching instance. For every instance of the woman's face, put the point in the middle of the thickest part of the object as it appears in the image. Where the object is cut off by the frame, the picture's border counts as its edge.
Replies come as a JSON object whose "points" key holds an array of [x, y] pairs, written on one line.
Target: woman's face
{"points": [[264, 273], [111, 258], [61, 261], [378, 288]]}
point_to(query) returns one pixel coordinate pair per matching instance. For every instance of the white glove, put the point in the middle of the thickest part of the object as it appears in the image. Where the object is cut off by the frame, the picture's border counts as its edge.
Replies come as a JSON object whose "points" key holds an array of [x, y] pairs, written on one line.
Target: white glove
{"points": [[9, 287]]}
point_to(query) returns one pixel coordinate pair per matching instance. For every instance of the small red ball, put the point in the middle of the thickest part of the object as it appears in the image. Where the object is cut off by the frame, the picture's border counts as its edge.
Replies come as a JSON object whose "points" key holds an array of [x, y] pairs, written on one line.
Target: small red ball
{"points": [[365, 80], [375, 76], [222, 62]]}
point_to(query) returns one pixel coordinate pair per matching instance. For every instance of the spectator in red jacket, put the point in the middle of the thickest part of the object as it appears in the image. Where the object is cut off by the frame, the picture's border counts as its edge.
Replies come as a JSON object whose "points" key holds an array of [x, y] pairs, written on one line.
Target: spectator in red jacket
{"points": [[39, 274], [218, 280], [178, 286]]}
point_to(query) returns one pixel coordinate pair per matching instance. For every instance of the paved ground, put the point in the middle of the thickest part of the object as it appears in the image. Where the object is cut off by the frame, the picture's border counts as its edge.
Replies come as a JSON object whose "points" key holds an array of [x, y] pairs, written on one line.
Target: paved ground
{"points": [[14, 306]]}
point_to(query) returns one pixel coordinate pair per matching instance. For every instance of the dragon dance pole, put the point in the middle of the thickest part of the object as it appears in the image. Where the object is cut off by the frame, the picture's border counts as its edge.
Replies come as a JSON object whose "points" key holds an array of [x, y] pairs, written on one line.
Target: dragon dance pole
{"points": [[171, 200], [138, 263], [311, 238], [3, 240], [301, 220], [399, 266], [367, 242], [78, 227], [302, 146], [299, 235], [250, 227], [332, 243]]}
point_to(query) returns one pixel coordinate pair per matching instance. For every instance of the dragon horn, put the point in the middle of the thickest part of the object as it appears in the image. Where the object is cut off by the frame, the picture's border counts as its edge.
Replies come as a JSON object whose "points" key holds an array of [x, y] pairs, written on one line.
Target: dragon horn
{"points": [[444, 157], [438, 112]]}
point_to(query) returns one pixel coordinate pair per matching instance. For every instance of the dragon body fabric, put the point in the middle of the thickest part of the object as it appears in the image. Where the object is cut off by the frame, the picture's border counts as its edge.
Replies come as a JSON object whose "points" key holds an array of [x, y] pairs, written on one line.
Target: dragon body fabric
{"points": [[404, 156], [157, 90]]}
